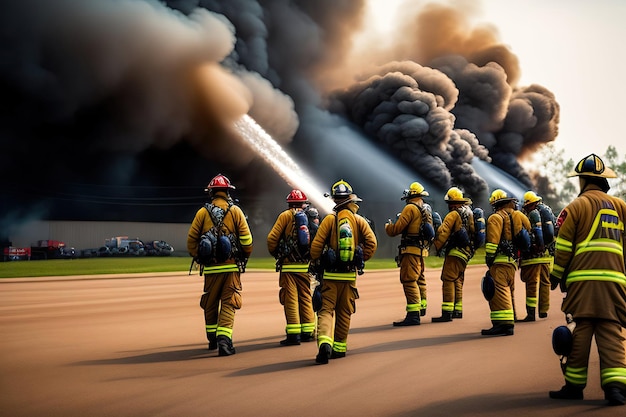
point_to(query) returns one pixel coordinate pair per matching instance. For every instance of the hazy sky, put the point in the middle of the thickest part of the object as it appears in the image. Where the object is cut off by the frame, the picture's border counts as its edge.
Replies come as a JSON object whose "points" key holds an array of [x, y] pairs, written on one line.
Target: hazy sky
{"points": [[575, 48]]}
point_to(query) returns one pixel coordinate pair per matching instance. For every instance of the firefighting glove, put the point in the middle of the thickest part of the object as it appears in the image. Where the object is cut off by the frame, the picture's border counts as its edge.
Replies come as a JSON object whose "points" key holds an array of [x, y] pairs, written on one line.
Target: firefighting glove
{"points": [[554, 282], [489, 260]]}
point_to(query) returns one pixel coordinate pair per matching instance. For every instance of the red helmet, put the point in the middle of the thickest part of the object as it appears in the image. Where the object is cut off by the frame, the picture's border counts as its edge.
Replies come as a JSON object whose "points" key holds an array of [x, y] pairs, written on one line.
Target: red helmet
{"points": [[219, 181], [296, 196]]}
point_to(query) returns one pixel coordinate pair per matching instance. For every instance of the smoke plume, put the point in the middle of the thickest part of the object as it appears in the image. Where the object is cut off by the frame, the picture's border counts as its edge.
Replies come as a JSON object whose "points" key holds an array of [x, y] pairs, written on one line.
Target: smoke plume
{"points": [[111, 106]]}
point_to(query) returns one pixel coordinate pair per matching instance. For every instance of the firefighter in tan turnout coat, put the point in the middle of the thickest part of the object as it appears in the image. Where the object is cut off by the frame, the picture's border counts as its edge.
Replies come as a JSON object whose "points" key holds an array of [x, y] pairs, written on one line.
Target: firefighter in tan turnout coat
{"points": [[589, 266], [339, 291], [455, 234], [412, 250], [222, 281], [293, 263], [502, 259]]}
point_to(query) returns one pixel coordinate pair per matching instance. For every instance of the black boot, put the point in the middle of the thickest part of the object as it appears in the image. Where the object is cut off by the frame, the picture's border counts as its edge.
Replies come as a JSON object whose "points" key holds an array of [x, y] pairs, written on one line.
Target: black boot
{"points": [[423, 312], [324, 354], [543, 315], [412, 319], [291, 340], [445, 316], [336, 355], [614, 396], [307, 337], [530, 314], [568, 392], [456, 314], [225, 346], [498, 330], [212, 341]]}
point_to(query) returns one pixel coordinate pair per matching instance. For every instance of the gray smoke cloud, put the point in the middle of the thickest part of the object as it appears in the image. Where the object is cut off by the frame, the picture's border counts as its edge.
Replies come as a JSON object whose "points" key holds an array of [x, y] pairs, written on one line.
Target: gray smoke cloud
{"points": [[141, 93]]}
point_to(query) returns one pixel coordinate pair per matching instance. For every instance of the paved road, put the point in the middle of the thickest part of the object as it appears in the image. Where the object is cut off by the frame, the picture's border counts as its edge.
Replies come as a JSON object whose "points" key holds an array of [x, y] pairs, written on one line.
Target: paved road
{"points": [[134, 346]]}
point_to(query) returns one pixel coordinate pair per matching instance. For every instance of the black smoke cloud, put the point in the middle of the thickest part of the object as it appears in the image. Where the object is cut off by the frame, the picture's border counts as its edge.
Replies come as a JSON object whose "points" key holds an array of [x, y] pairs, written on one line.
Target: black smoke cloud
{"points": [[121, 110]]}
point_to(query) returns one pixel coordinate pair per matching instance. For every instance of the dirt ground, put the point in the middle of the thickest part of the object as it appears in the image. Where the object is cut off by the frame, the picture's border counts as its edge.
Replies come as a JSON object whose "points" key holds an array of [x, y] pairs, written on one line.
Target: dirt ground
{"points": [[135, 346]]}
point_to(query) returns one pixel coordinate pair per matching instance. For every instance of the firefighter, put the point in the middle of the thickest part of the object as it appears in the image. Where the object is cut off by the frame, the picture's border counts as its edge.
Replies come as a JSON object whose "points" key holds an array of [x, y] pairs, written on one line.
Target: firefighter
{"points": [[501, 256], [535, 265], [412, 250], [589, 266], [222, 281], [339, 290], [454, 239], [289, 241]]}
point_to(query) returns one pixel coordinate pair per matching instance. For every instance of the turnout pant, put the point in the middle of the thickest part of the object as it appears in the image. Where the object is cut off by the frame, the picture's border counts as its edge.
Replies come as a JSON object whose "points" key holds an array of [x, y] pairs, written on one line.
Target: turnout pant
{"points": [[222, 296], [295, 296], [501, 305], [537, 280], [338, 305], [452, 277], [412, 270], [610, 342]]}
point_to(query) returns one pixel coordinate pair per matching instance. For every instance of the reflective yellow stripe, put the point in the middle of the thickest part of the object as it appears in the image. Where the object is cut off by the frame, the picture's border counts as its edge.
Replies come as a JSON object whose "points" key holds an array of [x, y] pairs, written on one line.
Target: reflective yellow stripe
{"points": [[293, 329], [218, 269], [295, 268], [491, 248], [340, 276], [459, 254], [502, 315], [245, 240], [340, 347], [225, 331], [576, 376], [600, 245], [563, 245], [324, 339], [447, 306], [413, 307], [535, 261], [609, 375], [596, 275]]}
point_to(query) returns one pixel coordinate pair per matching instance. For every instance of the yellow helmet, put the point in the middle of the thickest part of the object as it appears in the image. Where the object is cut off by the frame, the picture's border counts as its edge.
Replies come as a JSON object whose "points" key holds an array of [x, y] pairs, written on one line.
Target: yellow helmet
{"points": [[499, 196], [455, 196], [415, 190], [530, 197], [592, 166]]}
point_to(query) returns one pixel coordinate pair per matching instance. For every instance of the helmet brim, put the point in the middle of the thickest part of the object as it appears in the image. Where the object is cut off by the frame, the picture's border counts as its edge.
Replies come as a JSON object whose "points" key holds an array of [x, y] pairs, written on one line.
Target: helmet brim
{"points": [[462, 201], [422, 194], [503, 200], [607, 173]]}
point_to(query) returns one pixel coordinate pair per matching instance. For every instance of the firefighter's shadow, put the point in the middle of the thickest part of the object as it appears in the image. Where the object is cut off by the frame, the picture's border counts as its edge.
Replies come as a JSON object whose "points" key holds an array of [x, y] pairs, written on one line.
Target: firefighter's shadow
{"points": [[153, 357], [527, 403]]}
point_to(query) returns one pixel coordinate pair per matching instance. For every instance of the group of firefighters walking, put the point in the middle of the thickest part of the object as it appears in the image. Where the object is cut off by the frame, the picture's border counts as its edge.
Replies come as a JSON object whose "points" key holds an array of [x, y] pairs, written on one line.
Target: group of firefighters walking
{"points": [[582, 252]]}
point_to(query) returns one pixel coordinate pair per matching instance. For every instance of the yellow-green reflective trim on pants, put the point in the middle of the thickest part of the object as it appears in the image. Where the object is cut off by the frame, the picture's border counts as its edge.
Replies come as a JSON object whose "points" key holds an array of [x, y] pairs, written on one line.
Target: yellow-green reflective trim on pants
{"points": [[576, 376], [609, 375]]}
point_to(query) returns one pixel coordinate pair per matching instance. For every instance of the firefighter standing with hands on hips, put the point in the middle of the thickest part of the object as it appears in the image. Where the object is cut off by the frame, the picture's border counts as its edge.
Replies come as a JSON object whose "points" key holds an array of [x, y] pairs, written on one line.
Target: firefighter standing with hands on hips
{"points": [[454, 236], [222, 280], [589, 266], [341, 260], [535, 266], [502, 257], [412, 250], [289, 241]]}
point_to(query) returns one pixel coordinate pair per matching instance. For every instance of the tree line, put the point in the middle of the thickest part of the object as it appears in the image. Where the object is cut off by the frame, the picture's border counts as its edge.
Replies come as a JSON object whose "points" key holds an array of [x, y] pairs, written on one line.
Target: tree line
{"points": [[557, 190]]}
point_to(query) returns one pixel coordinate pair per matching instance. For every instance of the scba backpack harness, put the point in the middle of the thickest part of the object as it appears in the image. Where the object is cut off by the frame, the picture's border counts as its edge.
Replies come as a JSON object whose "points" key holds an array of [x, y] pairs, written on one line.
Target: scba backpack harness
{"points": [[295, 246], [218, 244], [350, 256], [518, 246]]}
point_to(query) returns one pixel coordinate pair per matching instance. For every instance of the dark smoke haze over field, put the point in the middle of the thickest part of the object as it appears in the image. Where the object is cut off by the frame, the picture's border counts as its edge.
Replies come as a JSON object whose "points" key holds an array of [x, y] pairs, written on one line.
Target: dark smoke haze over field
{"points": [[122, 110]]}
